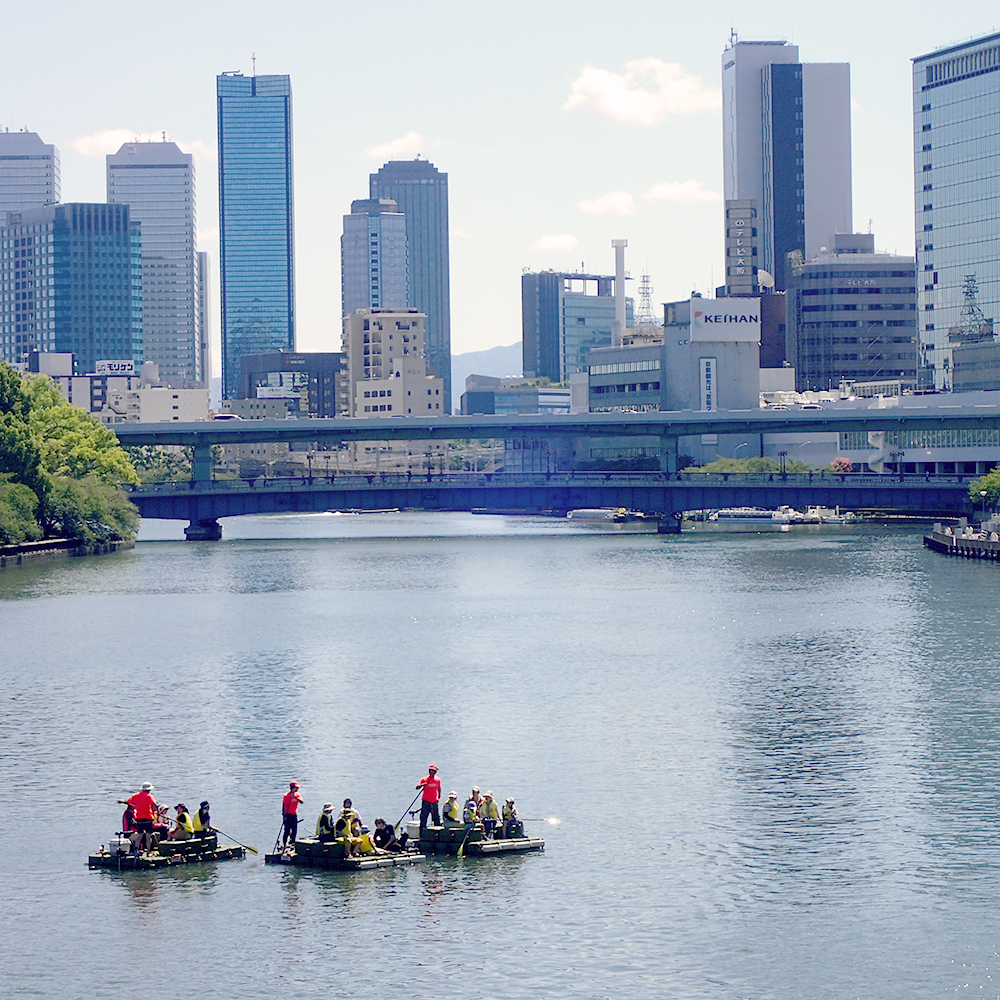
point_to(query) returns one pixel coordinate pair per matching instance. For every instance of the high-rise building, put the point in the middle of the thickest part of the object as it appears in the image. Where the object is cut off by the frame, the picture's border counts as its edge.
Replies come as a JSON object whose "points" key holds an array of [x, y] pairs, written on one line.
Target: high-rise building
{"points": [[156, 180], [373, 257], [316, 379], [29, 172], [786, 148], [563, 317], [956, 152], [420, 191], [851, 315], [71, 281], [387, 370], [256, 239]]}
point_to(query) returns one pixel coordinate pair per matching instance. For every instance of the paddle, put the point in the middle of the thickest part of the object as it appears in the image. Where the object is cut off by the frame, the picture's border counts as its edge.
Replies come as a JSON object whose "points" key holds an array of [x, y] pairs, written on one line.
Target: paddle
{"points": [[461, 851], [246, 847], [407, 809]]}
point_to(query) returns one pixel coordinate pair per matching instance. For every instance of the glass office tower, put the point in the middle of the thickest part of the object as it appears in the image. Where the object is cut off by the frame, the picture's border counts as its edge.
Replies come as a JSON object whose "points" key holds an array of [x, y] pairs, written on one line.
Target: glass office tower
{"points": [[420, 191], [956, 152], [71, 280], [29, 172], [256, 235], [373, 257], [156, 181]]}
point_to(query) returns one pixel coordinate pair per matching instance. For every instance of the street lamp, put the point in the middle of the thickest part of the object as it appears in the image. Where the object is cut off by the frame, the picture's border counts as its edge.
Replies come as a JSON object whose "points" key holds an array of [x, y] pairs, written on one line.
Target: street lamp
{"points": [[983, 494], [736, 452], [782, 455]]}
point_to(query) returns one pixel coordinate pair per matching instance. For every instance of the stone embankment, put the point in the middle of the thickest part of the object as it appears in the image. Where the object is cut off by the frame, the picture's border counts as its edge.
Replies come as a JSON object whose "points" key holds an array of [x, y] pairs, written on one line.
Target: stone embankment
{"points": [[56, 548]]}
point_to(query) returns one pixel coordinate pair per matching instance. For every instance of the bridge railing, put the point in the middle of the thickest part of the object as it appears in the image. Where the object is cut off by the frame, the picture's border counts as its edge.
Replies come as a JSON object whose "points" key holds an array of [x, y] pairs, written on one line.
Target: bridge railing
{"points": [[382, 480]]}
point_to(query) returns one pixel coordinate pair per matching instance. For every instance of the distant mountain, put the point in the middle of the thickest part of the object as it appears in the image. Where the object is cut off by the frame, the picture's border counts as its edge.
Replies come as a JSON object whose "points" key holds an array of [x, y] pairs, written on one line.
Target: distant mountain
{"points": [[499, 362]]}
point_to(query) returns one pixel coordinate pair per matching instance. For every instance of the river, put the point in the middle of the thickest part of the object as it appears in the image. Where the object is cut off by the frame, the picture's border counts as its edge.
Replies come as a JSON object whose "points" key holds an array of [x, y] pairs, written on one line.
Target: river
{"points": [[773, 759]]}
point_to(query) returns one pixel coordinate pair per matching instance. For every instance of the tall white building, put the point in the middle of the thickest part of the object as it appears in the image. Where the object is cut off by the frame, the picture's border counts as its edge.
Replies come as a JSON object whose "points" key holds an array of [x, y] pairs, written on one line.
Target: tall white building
{"points": [[156, 180], [373, 257], [956, 169], [787, 148], [29, 172]]}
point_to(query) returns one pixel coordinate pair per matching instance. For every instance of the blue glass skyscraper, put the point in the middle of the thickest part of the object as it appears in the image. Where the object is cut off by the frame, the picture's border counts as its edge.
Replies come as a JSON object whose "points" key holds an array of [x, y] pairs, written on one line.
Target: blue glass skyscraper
{"points": [[421, 192], [255, 219]]}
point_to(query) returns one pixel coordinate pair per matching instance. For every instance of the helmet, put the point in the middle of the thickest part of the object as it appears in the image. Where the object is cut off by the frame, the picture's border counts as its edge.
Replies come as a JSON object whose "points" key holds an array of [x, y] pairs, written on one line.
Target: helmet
{"points": [[432, 767]]}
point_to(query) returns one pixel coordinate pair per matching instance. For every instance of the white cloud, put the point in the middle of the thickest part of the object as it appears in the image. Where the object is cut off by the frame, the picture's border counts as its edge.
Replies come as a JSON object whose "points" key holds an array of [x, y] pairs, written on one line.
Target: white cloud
{"points": [[409, 144], [563, 242], [460, 234], [646, 92], [210, 235], [112, 139], [612, 203], [685, 191]]}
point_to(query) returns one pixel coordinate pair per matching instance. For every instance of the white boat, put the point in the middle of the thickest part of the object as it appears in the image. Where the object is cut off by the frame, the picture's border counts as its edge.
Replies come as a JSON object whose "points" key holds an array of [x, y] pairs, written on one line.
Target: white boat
{"points": [[829, 515], [752, 515], [617, 514]]}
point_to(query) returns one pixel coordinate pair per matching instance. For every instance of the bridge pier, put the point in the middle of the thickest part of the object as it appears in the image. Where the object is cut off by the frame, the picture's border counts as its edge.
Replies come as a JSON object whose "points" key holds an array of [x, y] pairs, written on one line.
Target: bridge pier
{"points": [[668, 454], [669, 524], [203, 531], [201, 466]]}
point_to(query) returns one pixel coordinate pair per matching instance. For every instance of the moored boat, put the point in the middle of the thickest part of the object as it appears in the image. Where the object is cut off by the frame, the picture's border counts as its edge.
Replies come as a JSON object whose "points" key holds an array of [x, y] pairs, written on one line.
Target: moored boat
{"points": [[616, 514], [752, 515], [120, 855], [448, 840], [312, 853]]}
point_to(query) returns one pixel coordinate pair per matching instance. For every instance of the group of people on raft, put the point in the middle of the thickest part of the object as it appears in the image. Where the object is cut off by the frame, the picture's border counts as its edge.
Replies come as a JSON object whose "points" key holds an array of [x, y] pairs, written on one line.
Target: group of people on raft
{"points": [[346, 827], [145, 822], [479, 812]]}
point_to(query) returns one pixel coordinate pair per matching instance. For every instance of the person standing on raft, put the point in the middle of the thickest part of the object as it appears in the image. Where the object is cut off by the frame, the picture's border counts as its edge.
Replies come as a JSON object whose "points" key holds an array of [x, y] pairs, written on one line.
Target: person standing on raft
{"points": [[431, 784], [289, 813], [145, 809]]}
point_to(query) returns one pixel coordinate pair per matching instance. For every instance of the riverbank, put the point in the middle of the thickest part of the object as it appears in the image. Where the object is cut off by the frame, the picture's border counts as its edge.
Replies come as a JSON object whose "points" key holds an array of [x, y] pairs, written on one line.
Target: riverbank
{"points": [[56, 548]]}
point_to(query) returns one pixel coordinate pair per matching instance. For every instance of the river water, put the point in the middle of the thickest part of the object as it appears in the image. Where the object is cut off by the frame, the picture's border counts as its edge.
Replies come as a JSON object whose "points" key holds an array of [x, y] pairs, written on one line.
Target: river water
{"points": [[773, 758]]}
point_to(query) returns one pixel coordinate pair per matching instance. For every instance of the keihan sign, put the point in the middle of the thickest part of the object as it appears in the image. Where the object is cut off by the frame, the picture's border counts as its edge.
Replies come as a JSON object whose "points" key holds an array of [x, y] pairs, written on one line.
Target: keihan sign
{"points": [[725, 319]]}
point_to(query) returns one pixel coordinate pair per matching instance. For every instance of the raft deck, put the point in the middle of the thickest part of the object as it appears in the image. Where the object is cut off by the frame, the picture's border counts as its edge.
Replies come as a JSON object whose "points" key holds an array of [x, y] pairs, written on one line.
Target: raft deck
{"points": [[310, 853], [448, 840], [200, 850]]}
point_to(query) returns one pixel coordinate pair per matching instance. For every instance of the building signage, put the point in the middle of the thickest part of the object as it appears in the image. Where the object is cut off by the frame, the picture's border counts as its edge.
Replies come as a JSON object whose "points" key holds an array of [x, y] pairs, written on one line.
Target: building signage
{"points": [[735, 318], [115, 368], [706, 376]]}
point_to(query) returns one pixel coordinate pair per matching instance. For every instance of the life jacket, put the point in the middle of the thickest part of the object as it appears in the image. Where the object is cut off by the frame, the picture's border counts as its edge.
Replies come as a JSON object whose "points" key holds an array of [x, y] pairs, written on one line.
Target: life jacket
{"points": [[490, 810], [343, 826], [184, 822], [470, 814], [451, 810], [367, 847], [324, 824], [509, 813], [201, 821]]}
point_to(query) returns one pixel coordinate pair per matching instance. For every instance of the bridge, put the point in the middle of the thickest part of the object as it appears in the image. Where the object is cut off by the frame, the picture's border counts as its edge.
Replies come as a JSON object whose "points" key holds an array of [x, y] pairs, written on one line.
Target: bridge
{"points": [[664, 495], [202, 501]]}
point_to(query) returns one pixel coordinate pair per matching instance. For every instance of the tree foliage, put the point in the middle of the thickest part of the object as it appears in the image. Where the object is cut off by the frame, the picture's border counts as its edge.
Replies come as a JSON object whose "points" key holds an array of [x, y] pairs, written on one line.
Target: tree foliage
{"points": [[156, 464], [991, 483], [59, 464], [765, 464]]}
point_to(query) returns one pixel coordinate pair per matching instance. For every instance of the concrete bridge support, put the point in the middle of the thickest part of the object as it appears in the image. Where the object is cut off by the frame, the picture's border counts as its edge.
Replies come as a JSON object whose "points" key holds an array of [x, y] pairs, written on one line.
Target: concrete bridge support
{"points": [[201, 470], [669, 524], [668, 454], [203, 531]]}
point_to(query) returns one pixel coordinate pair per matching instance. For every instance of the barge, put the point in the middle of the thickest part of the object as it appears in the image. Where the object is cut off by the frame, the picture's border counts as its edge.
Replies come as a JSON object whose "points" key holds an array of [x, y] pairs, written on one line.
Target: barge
{"points": [[119, 855], [311, 853], [448, 840]]}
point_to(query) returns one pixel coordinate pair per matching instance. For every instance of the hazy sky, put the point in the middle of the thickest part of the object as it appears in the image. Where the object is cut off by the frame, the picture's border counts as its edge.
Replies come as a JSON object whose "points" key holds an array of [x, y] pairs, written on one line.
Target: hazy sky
{"points": [[561, 127]]}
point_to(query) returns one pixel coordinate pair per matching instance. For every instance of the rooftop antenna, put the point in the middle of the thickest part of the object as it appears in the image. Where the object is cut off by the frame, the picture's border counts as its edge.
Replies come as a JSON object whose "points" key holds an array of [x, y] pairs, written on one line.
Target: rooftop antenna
{"points": [[253, 59], [644, 315]]}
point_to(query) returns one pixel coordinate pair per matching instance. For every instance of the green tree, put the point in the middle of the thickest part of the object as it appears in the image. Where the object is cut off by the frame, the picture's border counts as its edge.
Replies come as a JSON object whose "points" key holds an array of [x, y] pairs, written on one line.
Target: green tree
{"points": [[18, 506], [156, 464], [89, 509], [764, 464], [991, 483]]}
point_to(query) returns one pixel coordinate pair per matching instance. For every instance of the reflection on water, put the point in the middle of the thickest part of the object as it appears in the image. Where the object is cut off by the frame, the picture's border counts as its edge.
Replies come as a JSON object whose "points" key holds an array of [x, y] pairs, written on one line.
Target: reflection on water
{"points": [[774, 758]]}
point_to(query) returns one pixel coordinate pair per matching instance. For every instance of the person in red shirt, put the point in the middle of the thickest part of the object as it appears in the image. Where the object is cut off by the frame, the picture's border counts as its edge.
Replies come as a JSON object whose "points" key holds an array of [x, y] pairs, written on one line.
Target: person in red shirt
{"points": [[145, 809], [431, 784], [289, 813]]}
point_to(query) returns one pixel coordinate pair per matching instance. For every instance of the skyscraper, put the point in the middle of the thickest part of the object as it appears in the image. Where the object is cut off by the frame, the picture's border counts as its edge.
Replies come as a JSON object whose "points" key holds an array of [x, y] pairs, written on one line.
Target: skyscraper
{"points": [[786, 148], [373, 257], [956, 153], [156, 181], [255, 219], [420, 191], [29, 172], [71, 280]]}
